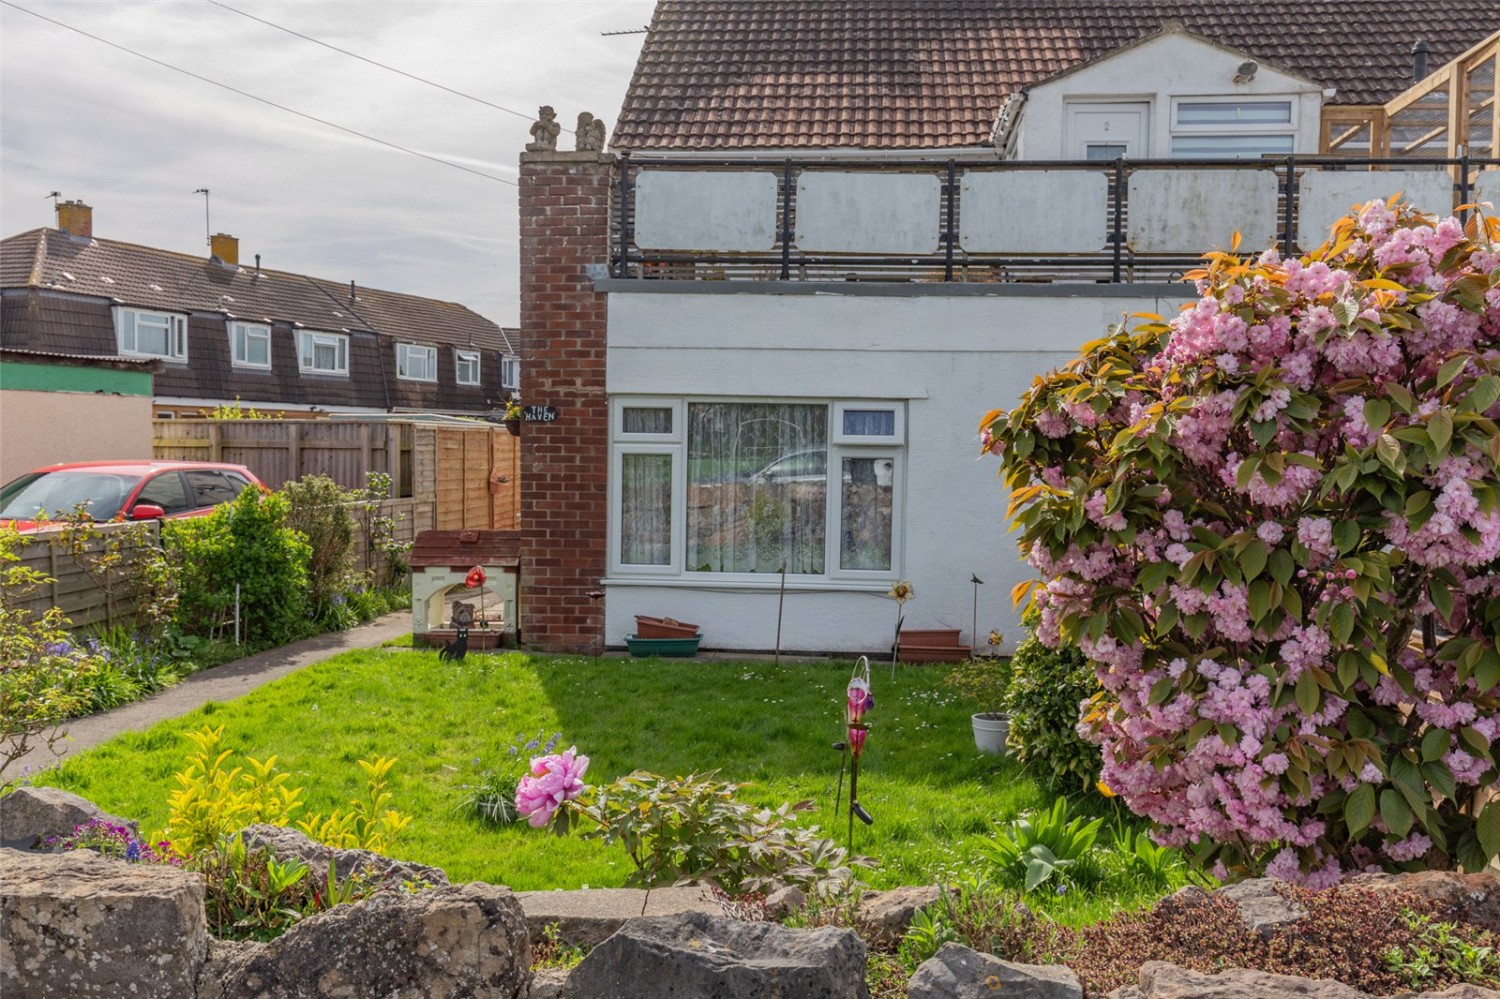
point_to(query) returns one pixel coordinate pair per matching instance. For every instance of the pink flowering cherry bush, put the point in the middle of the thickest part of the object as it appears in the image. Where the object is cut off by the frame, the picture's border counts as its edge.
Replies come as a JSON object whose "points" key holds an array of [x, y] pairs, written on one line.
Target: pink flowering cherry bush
{"points": [[1243, 515]]}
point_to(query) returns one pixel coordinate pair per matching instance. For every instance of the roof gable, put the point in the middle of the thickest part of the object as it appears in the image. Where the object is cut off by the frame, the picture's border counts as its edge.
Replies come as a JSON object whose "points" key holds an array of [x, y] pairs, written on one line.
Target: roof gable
{"points": [[884, 74]]}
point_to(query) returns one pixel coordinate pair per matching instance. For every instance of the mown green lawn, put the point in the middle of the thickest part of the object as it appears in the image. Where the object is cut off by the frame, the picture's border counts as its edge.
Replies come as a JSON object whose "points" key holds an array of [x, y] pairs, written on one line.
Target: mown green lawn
{"points": [[770, 727]]}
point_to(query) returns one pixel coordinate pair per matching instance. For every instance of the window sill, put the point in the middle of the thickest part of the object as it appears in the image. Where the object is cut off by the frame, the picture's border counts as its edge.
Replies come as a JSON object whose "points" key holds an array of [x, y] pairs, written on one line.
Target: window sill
{"points": [[772, 583]]}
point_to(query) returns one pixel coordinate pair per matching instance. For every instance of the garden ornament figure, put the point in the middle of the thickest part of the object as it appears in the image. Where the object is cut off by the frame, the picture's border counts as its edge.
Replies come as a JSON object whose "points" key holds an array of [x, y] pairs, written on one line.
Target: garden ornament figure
{"points": [[857, 701]]}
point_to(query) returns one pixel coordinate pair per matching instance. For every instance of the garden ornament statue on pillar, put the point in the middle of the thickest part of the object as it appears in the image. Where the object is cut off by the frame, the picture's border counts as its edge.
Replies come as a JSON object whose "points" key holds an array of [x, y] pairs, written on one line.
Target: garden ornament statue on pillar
{"points": [[857, 700]]}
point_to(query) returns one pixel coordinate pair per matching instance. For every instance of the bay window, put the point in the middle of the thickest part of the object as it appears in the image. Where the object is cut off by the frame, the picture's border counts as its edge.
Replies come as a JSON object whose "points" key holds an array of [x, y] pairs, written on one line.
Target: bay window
{"points": [[706, 489]]}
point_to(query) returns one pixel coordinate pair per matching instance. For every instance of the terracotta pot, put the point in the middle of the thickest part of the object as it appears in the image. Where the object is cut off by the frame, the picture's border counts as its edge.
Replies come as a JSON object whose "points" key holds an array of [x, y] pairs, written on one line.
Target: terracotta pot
{"points": [[663, 627]]}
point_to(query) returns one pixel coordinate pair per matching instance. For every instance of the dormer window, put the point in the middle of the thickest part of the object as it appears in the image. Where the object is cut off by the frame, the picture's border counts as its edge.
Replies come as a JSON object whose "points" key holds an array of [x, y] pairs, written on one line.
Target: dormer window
{"points": [[510, 373], [141, 333], [250, 345], [416, 363], [1232, 127], [466, 367], [322, 353]]}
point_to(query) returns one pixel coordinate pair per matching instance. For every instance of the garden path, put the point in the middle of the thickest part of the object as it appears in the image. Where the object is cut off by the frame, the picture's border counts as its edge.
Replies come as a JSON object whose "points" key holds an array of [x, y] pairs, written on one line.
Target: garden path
{"points": [[220, 683]]}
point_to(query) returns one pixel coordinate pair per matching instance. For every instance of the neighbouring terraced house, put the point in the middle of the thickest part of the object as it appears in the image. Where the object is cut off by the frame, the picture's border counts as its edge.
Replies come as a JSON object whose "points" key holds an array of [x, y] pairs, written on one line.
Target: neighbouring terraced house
{"points": [[826, 237], [226, 330]]}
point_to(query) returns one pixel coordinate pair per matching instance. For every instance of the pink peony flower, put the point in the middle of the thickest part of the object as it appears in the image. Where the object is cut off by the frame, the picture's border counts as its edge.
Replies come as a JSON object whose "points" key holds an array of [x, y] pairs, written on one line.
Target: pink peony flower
{"points": [[553, 780]]}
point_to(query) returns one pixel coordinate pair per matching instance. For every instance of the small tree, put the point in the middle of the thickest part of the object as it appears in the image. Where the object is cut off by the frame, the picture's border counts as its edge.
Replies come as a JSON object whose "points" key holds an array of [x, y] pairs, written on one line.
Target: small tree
{"points": [[319, 508], [1242, 515]]}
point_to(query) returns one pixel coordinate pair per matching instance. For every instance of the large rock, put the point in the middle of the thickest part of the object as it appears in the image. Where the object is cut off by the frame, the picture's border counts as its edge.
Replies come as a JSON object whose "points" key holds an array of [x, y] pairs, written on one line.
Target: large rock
{"points": [[588, 917], [291, 844], [29, 815], [1473, 898], [546, 983], [452, 942], [956, 972], [1160, 980], [1262, 909], [885, 916], [693, 954], [76, 924], [223, 955]]}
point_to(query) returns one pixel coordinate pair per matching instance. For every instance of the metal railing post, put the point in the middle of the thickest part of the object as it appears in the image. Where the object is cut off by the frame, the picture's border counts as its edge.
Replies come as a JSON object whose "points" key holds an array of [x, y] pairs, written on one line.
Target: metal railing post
{"points": [[1463, 183], [949, 236], [1117, 227], [1289, 194], [786, 220], [623, 266]]}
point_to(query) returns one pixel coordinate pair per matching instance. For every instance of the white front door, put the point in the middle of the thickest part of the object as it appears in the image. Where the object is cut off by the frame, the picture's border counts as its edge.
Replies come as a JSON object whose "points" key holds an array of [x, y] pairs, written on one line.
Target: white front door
{"points": [[1107, 131]]}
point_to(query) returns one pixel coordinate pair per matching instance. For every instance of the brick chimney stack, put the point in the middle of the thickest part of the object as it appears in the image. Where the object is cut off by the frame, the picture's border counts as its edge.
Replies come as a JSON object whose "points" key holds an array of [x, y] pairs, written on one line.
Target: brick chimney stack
{"points": [[225, 249], [564, 203], [76, 219]]}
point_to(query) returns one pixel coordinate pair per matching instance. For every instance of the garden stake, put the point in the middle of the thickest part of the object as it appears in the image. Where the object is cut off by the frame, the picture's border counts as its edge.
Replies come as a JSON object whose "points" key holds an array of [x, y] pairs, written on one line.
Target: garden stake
{"points": [[974, 621], [842, 748], [780, 603]]}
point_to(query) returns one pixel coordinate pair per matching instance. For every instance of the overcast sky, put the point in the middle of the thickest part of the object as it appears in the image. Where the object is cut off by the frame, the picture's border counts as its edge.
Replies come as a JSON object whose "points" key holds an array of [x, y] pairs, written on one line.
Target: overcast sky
{"points": [[134, 140]]}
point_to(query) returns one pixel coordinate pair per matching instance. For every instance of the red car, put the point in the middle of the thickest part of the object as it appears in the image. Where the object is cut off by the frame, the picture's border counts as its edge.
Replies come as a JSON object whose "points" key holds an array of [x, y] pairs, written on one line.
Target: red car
{"points": [[121, 490]]}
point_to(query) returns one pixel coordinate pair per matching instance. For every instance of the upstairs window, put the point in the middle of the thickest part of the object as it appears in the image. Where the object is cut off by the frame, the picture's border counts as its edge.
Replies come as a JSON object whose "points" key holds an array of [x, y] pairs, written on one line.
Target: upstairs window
{"points": [[323, 353], [510, 373], [151, 334], [250, 345], [416, 363], [466, 367], [1233, 128]]}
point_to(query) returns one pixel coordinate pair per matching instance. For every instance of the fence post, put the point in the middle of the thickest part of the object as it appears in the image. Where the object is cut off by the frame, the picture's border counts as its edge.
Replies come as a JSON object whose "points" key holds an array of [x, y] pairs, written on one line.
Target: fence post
{"points": [[215, 441], [623, 265], [1117, 227], [294, 450], [949, 235], [1289, 190], [366, 451], [786, 220]]}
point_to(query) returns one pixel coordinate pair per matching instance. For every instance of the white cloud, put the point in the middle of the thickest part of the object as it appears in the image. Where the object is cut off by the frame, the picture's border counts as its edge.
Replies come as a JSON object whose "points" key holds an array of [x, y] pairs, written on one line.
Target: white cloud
{"points": [[134, 140]]}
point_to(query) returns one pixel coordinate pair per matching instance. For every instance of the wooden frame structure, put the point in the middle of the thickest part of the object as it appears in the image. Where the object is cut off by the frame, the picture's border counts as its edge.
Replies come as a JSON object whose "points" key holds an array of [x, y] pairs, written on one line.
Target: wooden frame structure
{"points": [[1450, 114]]}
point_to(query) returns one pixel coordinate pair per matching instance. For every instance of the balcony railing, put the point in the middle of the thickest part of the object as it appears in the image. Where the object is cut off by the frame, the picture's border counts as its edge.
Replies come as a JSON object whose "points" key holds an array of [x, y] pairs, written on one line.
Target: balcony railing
{"points": [[1120, 221]]}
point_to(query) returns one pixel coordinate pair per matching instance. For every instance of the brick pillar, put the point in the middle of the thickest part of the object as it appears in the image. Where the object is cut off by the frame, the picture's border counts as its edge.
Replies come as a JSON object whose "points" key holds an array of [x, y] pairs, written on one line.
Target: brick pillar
{"points": [[564, 464]]}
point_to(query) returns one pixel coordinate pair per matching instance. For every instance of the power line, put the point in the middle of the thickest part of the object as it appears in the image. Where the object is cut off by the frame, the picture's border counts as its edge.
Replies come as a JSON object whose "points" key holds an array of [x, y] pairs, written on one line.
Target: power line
{"points": [[372, 62], [262, 100]]}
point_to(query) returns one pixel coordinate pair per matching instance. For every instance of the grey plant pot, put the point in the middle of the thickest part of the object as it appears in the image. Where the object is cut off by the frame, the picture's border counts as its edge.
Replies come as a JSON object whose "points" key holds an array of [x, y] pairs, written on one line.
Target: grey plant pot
{"points": [[990, 730]]}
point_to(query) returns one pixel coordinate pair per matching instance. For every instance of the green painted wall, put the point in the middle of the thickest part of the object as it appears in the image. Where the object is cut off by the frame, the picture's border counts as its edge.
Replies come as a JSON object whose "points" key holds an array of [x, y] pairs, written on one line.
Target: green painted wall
{"points": [[72, 378]]}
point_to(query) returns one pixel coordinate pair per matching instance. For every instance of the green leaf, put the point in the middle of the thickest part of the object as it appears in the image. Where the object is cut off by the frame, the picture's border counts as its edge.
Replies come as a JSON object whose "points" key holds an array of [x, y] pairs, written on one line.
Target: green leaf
{"points": [[1377, 413], [1254, 558], [1388, 450], [1395, 812], [1341, 623], [1359, 809], [1260, 599], [1161, 690], [1483, 395], [1451, 369], [1440, 429], [1434, 744], [1442, 597], [1487, 673], [1154, 574], [1309, 694], [1441, 778], [1346, 535], [1400, 396], [1488, 829], [1283, 567]]}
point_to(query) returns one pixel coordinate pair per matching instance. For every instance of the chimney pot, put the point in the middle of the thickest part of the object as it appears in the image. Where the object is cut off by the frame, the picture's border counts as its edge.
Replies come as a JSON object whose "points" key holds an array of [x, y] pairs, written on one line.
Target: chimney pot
{"points": [[225, 249], [76, 219], [1419, 54]]}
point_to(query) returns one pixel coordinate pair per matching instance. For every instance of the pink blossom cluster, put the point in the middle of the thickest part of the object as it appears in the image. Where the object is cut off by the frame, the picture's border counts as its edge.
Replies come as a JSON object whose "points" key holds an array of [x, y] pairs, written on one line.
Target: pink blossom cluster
{"points": [[553, 780], [1243, 534]]}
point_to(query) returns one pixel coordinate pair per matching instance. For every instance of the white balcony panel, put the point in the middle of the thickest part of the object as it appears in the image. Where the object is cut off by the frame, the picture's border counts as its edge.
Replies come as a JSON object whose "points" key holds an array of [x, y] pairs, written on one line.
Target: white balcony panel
{"points": [[868, 213], [1325, 196], [1034, 211], [705, 210], [1194, 211], [1487, 188]]}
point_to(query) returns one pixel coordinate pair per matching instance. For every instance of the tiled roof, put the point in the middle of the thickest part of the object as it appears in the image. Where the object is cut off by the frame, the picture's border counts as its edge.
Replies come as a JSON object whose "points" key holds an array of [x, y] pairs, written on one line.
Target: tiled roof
{"points": [[161, 279], [893, 74], [81, 360], [460, 550]]}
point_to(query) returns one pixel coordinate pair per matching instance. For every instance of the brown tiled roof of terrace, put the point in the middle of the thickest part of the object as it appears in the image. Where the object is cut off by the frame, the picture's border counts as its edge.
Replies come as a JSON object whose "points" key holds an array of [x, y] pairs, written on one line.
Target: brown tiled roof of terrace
{"points": [[900, 74], [179, 282]]}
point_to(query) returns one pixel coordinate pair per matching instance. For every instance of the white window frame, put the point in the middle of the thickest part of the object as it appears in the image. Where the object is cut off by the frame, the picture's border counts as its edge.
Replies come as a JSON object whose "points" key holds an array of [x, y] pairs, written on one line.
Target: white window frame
{"points": [[405, 352], [512, 366], [462, 357], [840, 446], [258, 331], [340, 343], [175, 324], [1286, 128]]}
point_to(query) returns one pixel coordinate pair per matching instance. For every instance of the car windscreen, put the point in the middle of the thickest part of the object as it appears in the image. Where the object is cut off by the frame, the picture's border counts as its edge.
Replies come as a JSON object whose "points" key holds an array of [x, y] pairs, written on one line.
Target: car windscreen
{"points": [[49, 495]]}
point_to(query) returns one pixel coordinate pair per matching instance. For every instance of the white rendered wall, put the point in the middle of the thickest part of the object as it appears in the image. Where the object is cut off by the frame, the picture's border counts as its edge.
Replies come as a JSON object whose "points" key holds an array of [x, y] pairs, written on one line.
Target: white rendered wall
{"points": [[951, 357], [1173, 65]]}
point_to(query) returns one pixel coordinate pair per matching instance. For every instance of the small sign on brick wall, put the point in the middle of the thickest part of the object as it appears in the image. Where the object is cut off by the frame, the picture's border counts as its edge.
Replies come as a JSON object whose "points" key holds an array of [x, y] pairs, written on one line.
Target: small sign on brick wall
{"points": [[539, 414]]}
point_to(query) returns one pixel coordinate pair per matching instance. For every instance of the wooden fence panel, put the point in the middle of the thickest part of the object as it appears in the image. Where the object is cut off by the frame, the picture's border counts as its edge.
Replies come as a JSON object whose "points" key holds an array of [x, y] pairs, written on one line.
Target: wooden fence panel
{"points": [[84, 599]]}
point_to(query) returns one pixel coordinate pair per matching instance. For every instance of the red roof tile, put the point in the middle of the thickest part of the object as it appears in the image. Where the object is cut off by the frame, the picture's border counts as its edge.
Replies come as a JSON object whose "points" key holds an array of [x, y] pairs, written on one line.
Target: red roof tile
{"points": [[897, 74], [461, 550]]}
